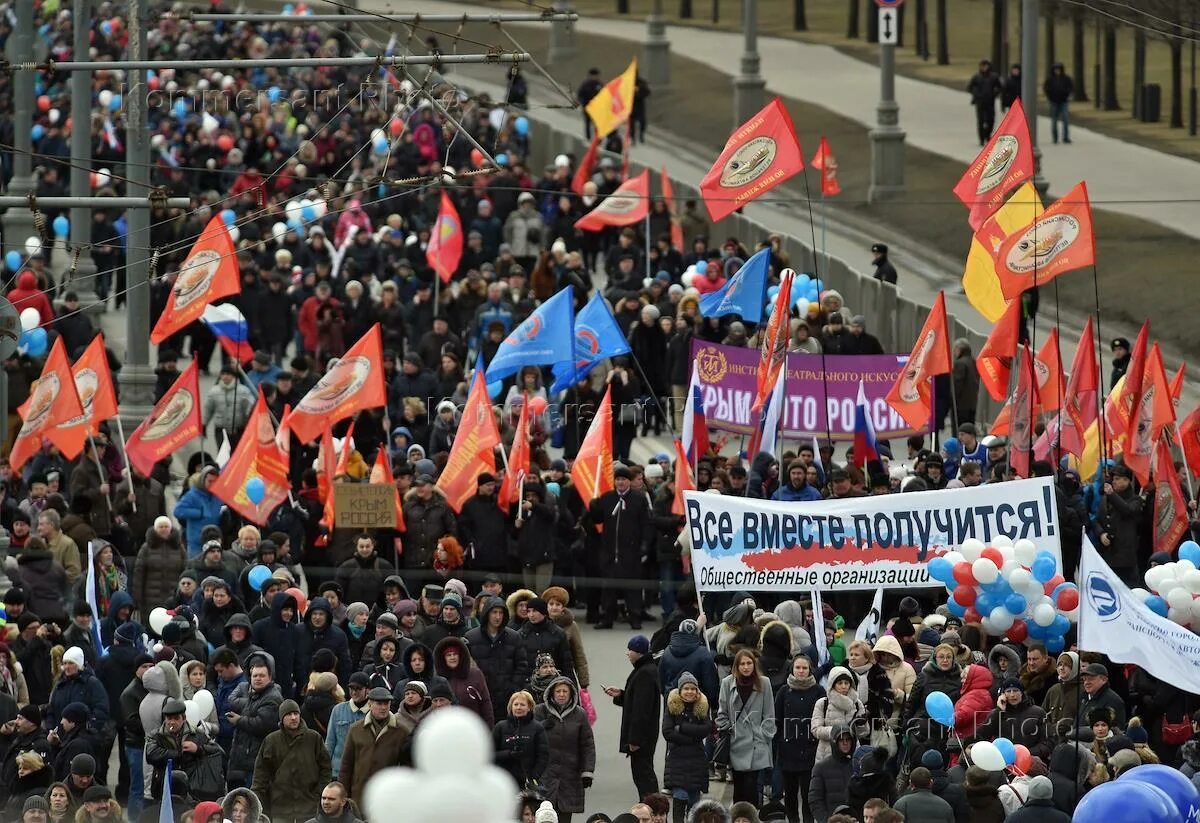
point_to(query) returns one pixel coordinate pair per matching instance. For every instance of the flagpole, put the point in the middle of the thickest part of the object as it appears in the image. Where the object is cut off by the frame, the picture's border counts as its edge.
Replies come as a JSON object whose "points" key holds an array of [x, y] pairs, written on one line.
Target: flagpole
{"points": [[646, 382], [648, 274], [100, 470], [824, 216], [1187, 470], [125, 458]]}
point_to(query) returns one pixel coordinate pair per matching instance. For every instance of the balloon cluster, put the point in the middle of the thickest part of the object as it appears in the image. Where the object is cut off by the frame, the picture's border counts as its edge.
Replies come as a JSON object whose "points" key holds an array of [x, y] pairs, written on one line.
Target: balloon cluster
{"points": [[305, 210], [1151, 793], [199, 706], [1011, 589], [1172, 588], [455, 778], [806, 291], [33, 340], [992, 756]]}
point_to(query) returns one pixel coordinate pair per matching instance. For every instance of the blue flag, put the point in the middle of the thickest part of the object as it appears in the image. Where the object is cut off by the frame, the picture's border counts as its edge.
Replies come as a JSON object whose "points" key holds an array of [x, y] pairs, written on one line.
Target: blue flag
{"points": [[744, 294], [540, 340], [166, 812], [597, 336]]}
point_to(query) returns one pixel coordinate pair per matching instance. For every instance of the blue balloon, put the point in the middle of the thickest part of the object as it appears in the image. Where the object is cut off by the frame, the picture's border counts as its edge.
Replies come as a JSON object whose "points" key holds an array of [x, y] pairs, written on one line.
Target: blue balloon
{"points": [[258, 575], [256, 490], [522, 126], [502, 159], [1127, 801], [955, 609], [813, 294], [1055, 645], [1178, 788], [554, 488], [288, 8], [1015, 603], [940, 707], [1157, 605], [985, 602], [802, 281], [228, 216], [181, 109], [274, 93], [62, 226], [1190, 550], [308, 214], [1037, 632], [769, 309], [35, 342], [1007, 749], [115, 103], [941, 570], [772, 292], [380, 145], [1060, 626], [13, 260], [38, 131], [1043, 567], [105, 28]]}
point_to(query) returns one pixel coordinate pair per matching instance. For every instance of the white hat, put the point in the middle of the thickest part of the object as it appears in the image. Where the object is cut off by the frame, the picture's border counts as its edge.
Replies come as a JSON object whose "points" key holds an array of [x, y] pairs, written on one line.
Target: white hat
{"points": [[74, 655], [653, 471], [546, 813], [162, 520]]}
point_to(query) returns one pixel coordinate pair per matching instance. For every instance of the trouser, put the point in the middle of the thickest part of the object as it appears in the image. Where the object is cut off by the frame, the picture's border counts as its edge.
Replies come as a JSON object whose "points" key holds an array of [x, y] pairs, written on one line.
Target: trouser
{"points": [[745, 786], [683, 799], [136, 800], [123, 770], [1058, 111], [641, 765], [537, 578], [633, 600], [985, 120], [795, 796], [670, 574]]}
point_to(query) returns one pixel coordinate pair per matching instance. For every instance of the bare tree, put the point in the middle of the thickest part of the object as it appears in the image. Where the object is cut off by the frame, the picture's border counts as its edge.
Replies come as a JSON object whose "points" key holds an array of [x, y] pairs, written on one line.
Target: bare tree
{"points": [[943, 45], [799, 16], [922, 30], [1078, 54], [999, 32], [1111, 102], [852, 23], [1139, 71]]}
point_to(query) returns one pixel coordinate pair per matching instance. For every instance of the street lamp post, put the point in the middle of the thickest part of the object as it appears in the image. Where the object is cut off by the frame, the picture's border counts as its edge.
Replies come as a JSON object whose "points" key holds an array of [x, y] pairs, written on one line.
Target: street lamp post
{"points": [[1029, 85], [81, 158], [887, 138], [562, 36], [18, 223], [656, 53], [748, 87]]}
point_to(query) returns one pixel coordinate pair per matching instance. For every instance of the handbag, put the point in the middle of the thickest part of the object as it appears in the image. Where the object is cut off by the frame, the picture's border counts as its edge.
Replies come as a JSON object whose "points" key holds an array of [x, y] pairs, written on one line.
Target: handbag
{"points": [[206, 778], [885, 739], [1176, 734], [722, 750], [589, 709]]}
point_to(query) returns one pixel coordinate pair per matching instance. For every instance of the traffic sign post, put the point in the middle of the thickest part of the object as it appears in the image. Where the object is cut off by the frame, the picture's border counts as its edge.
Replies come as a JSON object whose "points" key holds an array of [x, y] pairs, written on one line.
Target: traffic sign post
{"points": [[887, 138], [889, 31]]}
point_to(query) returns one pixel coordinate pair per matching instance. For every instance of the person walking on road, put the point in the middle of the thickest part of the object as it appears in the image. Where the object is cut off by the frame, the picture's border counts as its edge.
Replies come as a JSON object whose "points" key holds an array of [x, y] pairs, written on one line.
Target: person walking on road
{"points": [[1058, 88], [984, 87], [640, 703]]}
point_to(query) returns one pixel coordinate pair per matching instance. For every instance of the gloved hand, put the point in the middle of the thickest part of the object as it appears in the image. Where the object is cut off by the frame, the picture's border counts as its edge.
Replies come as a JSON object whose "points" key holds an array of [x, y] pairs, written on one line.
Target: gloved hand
{"points": [[587, 781]]}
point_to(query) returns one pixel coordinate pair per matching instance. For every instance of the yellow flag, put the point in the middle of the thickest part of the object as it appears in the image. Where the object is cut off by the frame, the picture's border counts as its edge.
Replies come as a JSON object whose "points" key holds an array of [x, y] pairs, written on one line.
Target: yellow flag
{"points": [[980, 282], [1091, 438], [613, 104]]}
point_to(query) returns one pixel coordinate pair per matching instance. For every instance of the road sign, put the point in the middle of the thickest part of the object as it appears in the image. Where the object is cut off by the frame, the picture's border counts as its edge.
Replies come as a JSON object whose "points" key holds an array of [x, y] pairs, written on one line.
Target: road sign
{"points": [[889, 29], [889, 4], [10, 329]]}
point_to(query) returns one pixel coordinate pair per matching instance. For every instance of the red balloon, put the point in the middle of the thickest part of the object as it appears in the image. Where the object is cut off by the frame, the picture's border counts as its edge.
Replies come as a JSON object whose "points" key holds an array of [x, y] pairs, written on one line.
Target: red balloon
{"points": [[1053, 583], [225, 142], [301, 600], [993, 555], [965, 595], [476, 157], [43, 103], [395, 127], [153, 83], [963, 573], [116, 23], [1024, 759], [1068, 599], [1017, 632], [537, 405], [972, 616]]}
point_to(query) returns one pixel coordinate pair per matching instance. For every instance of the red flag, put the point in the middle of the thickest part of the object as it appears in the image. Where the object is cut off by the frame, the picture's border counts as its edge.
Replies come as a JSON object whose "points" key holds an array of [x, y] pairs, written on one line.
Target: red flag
{"points": [[326, 470], [472, 451], [1118, 414], [592, 472], [209, 272], [630, 203], [1078, 404], [93, 381], [1000, 167], [668, 192], [354, 384], [1170, 507], [518, 461], [52, 400], [1189, 440], [1048, 369], [174, 421], [381, 472], [1023, 413], [761, 153], [824, 162], [999, 350], [445, 241], [257, 456], [587, 165], [683, 479], [912, 396], [1057, 241], [1177, 387], [774, 343], [1153, 411]]}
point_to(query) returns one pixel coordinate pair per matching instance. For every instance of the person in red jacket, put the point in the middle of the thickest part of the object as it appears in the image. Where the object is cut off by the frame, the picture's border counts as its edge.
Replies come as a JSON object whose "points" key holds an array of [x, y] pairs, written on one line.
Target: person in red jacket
{"points": [[710, 279], [310, 311], [27, 295], [974, 702]]}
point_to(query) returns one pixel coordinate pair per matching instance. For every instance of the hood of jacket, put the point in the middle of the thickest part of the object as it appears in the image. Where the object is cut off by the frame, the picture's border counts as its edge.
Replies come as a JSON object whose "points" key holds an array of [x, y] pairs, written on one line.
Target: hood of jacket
{"points": [[163, 679], [709, 810], [415, 648], [186, 668], [891, 645], [319, 604], [683, 643], [762, 462], [119, 600], [1074, 760], [843, 671], [171, 541], [776, 638], [236, 621], [551, 706], [267, 658], [1005, 651], [493, 602], [978, 677], [516, 597], [253, 804], [397, 580], [282, 601], [676, 704], [464, 657], [1074, 664], [839, 731]]}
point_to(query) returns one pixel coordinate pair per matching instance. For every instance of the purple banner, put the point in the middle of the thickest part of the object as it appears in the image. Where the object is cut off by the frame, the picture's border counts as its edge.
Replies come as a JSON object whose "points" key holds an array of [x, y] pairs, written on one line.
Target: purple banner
{"points": [[729, 377]]}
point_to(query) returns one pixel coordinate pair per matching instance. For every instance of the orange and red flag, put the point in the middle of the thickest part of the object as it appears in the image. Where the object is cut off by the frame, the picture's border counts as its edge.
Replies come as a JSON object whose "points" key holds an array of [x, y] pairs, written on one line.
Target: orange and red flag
{"points": [[824, 162], [1189, 440], [668, 193], [1023, 414], [998, 352], [587, 165], [1002, 165], [517, 469], [209, 272], [174, 422], [381, 472], [683, 479], [1119, 412], [53, 399], [912, 395], [1153, 411], [1048, 369], [354, 384], [445, 241], [1170, 506], [761, 154], [93, 381], [471, 454], [257, 456], [592, 472], [1058, 241], [630, 203]]}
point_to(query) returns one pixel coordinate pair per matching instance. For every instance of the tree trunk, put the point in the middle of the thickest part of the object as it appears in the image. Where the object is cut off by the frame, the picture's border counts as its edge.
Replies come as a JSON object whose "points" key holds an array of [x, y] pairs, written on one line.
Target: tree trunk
{"points": [[999, 26], [685, 9], [852, 24], [872, 21], [622, 6], [799, 16], [1139, 70], [943, 46], [716, 11], [1176, 46], [900, 27], [1051, 44], [921, 24], [1111, 103], [1078, 56]]}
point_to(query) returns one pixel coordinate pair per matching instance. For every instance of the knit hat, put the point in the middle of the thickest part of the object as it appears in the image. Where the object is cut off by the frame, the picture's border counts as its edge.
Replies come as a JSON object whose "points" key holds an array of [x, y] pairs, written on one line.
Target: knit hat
{"points": [[417, 686], [537, 604], [287, 707], [97, 792], [1136, 732], [544, 659], [387, 619], [1011, 683], [546, 813], [36, 803], [31, 712], [441, 688], [404, 607], [687, 679], [689, 626], [453, 600], [77, 713], [206, 811], [74, 655], [952, 639], [26, 619], [1040, 788], [325, 682], [14, 597], [83, 765], [932, 760], [127, 633], [355, 609], [638, 643]]}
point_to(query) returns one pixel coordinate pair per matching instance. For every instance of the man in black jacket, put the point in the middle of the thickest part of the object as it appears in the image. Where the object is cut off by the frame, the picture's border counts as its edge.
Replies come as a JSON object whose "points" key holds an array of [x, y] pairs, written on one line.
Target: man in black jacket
{"points": [[624, 516], [1119, 522], [482, 529], [500, 654], [984, 88], [1058, 88], [540, 634], [640, 703], [22, 734]]}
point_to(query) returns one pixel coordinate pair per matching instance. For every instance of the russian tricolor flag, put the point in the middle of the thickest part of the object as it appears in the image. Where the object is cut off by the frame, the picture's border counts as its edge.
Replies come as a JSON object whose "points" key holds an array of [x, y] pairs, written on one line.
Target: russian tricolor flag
{"points": [[229, 326], [695, 426], [865, 447], [765, 436]]}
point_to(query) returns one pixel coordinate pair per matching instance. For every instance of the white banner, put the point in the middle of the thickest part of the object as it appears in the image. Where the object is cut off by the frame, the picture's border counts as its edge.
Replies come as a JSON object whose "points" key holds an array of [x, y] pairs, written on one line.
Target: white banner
{"points": [[1114, 622], [857, 542]]}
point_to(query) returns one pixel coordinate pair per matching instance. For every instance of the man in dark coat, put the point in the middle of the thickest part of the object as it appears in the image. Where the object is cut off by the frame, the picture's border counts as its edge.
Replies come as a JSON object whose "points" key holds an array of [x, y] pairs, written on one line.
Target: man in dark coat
{"points": [[831, 777], [542, 635], [450, 623], [254, 714], [293, 766], [500, 654], [483, 530], [1119, 522], [274, 636], [640, 703], [945, 788], [22, 734], [361, 577], [429, 518], [318, 632], [625, 538], [984, 87], [687, 653]]}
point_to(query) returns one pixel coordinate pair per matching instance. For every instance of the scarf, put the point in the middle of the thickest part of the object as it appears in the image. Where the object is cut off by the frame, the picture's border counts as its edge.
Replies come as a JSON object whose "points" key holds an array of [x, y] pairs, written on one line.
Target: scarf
{"points": [[356, 631], [801, 683], [539, 683], [861, 671], [109, 584]]}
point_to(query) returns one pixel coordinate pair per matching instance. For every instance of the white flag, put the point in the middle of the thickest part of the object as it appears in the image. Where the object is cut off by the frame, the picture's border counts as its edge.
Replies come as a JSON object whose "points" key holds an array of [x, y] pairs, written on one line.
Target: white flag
{"points": [[223, 452], [819, 629], [868, 630], [1114, 622]]}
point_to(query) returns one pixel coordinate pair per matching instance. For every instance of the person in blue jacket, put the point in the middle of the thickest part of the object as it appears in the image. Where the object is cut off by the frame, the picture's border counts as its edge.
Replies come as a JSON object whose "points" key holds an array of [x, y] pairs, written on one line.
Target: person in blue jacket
{"points": [[199, 508], [796, 487]]}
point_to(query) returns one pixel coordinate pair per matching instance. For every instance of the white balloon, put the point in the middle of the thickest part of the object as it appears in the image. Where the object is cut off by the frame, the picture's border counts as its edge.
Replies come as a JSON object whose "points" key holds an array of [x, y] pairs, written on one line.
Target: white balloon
{"points": [[1191, 581], [209, 124], [1152, 576], [989, 627], [55, 116], [802, 306], [1001, 618], [1019, 578], [1008, 553], [1009, 567], [204, 700], [103, 178], [985, 570], [1140, 593], [293, 209], [498, 786], [30, 318], [1025, 551], [1179, 598], [235, 233], [1180, 616], [688, 278], [159, 619], [193, 712], [32, 245], [954, 557], [1000, 540], [105, 98], [456, 742], [279, 231], [1194, 610], [1182, 567], [387, 787], [1167, 585], [322, 208], [971, 548], [986, 756], [1043, 614]]}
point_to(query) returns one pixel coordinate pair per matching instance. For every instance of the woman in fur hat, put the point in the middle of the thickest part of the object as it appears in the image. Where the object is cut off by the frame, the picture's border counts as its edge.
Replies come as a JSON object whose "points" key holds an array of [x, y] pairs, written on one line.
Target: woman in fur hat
{"points": [[685, 726]]}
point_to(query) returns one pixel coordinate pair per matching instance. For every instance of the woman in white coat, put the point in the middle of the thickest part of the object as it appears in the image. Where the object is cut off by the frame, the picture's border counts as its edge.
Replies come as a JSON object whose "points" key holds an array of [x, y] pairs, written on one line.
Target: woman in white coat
{"points": [[747, 714], [839, 707]]}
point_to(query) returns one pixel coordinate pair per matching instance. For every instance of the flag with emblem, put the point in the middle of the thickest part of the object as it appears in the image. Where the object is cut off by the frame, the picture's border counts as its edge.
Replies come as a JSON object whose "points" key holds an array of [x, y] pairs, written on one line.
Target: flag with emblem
{"points": [[592, 471], [1059, 241], [613, 104], [1170, 506], [630, 203], [761, 154], [472, 452], [174, 422], [912, 394], [980, 282], [53, 399], [744, 294], [541, 340], [209, 272], [445, 241], [1152, 412], [597, 336], [1002, 165], [355, 383]]}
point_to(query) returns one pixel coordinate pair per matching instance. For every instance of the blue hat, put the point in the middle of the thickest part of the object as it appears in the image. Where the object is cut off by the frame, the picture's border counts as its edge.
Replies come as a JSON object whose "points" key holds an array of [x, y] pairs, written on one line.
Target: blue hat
{"points": [[638, 643], [662, 457]]}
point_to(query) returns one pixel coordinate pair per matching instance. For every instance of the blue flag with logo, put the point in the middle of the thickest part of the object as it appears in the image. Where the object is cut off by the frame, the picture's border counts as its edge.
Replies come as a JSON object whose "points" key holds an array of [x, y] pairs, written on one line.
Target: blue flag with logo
{"points": [[744, 294], [540, 340], [597, 336]]}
